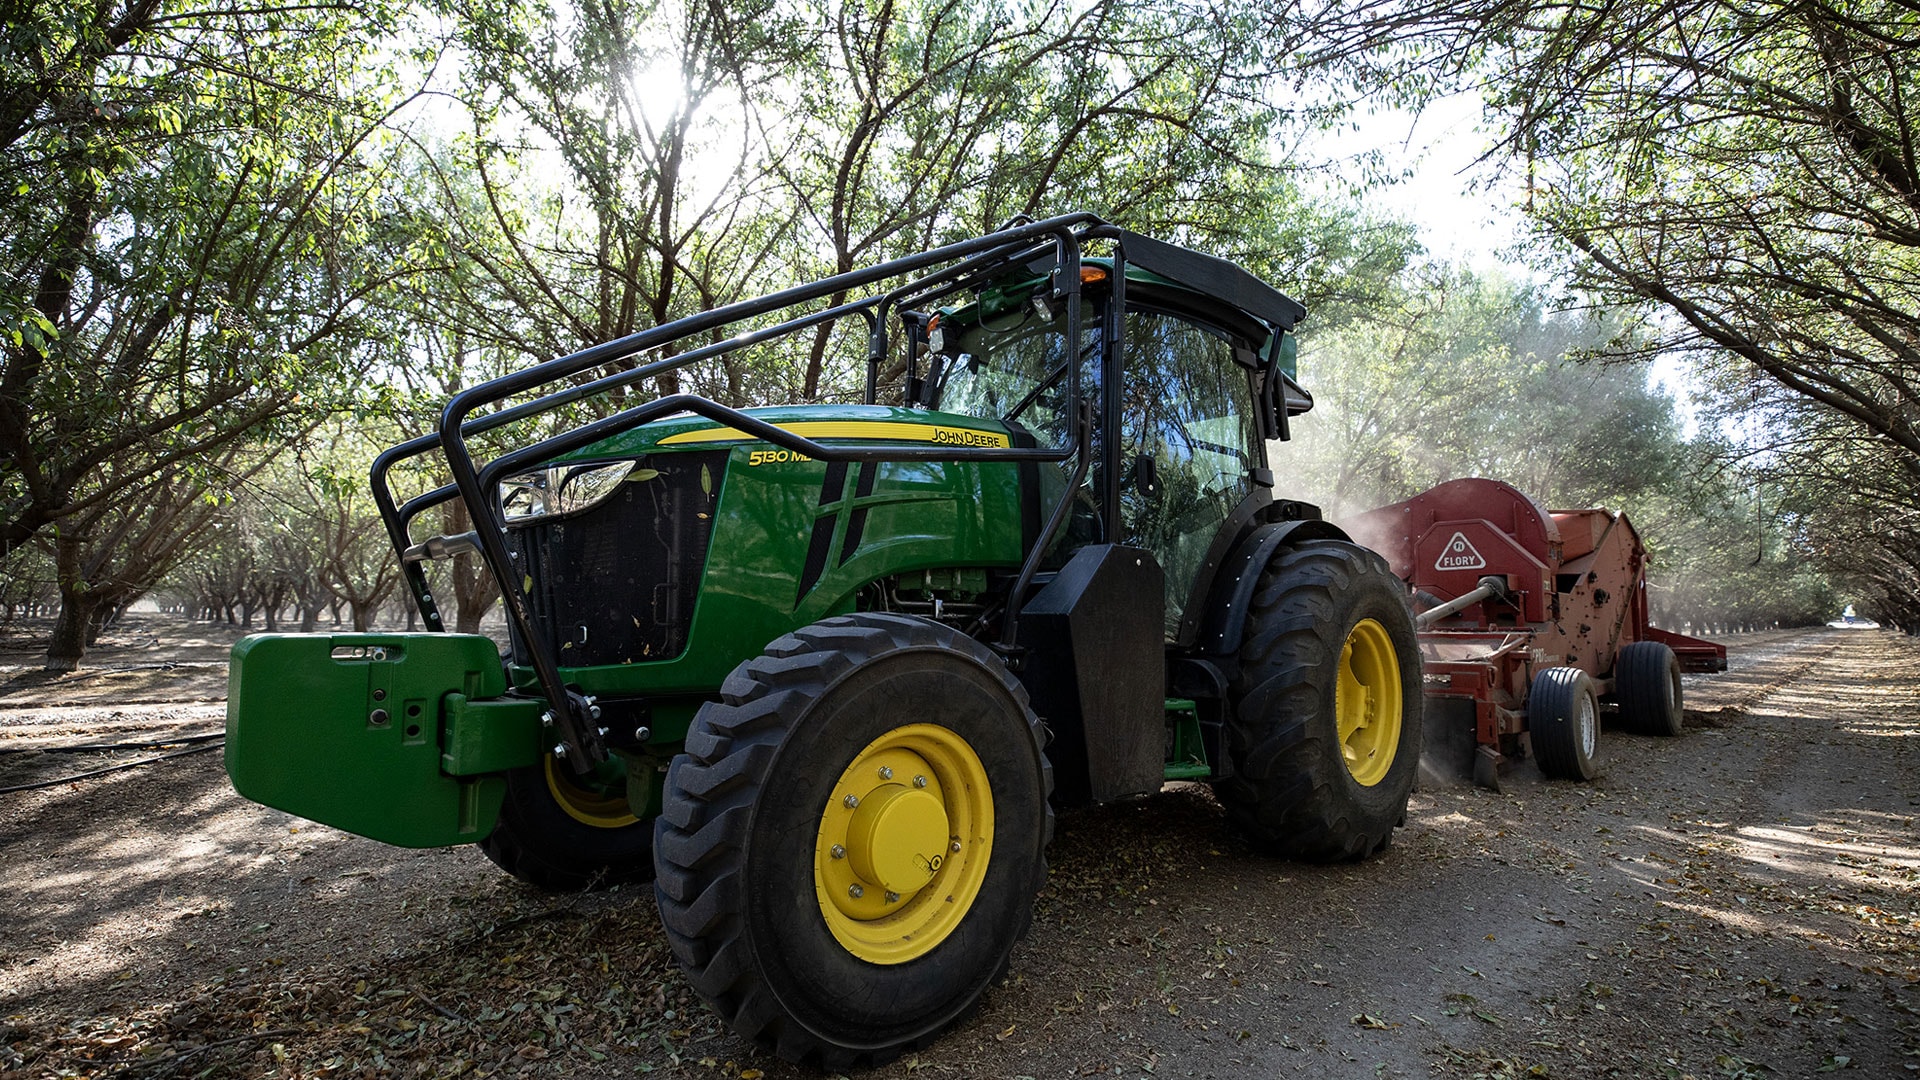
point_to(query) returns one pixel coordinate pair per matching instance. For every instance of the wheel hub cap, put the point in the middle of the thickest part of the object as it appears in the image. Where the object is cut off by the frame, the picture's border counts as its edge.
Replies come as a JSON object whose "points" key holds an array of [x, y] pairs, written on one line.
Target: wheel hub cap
{"points": [[905, 838], [897, 838], [602, 806]]}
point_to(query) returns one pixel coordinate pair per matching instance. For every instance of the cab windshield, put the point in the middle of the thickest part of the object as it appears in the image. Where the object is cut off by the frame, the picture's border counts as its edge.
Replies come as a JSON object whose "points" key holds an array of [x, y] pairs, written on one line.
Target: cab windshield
{"points": [[1013, 367]]}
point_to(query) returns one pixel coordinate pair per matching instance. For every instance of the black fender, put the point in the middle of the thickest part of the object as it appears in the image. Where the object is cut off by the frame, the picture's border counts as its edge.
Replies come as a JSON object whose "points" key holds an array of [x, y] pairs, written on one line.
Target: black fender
{"points": [[1232, 592]]}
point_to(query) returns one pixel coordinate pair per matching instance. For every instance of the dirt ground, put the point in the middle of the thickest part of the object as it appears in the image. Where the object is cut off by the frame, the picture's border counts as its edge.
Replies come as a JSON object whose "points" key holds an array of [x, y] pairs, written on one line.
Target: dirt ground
{"points": [[1740, 902]]}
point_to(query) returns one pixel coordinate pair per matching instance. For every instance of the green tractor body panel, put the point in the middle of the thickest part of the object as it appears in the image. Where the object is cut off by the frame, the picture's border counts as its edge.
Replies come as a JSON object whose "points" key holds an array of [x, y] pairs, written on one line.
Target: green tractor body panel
{"points": [[803, 537], [396, 737]]}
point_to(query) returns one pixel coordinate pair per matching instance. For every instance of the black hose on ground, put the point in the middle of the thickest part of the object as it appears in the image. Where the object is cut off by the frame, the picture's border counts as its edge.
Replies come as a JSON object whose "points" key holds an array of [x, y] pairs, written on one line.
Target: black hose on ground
{"points": [[111, 768], [145, 744]]}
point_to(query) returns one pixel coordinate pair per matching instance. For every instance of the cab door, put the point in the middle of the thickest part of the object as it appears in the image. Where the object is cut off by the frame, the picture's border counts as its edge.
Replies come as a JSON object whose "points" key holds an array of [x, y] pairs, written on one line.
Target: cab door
{"points": [[1189, 443]]}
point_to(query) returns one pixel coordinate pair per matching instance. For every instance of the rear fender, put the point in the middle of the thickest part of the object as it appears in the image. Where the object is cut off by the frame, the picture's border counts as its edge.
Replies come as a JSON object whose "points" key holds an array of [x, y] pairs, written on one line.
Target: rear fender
{"points": [[400, 738], [1233, 586]]}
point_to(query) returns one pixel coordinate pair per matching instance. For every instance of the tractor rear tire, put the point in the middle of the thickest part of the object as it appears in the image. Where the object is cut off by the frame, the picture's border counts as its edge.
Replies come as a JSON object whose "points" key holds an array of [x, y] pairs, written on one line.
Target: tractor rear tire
{"points": [[850, 845], [1325, 737], [556, 834], [1563, 717], [1646, 678]]}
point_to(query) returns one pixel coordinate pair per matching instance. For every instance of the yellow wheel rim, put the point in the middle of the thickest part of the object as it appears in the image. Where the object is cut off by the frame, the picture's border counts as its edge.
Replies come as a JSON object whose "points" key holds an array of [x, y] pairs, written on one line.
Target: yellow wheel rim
{"points": [[903, 845], [600, 809], [1366, 703]]}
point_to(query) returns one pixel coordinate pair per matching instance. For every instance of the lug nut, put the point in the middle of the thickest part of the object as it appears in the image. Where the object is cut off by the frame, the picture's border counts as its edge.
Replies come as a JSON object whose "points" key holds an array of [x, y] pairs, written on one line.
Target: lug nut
{"points": [[854, 890], [955, 846], [839, 852], [546, 719], [920, 781], [642, 733], [886, 773], [852, 801], [559, 750], [594, 712], [892, 897]]}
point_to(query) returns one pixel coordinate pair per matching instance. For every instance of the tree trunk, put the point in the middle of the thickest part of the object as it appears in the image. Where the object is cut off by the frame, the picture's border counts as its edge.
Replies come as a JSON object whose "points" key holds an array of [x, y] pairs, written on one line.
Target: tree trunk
{"points": [[69, 642], [474, 590], [467, 619], [78, 602], [98, 622]]}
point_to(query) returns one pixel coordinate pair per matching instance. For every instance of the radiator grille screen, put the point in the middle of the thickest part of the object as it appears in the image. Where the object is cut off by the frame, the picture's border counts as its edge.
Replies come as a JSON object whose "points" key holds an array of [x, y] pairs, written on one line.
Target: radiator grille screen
{"points": [[616, 584]]}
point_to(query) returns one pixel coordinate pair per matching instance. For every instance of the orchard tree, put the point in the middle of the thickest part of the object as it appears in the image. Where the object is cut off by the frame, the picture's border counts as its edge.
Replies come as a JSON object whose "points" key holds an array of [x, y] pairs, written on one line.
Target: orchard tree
{"points": [[194, 227], [1748, 171]]}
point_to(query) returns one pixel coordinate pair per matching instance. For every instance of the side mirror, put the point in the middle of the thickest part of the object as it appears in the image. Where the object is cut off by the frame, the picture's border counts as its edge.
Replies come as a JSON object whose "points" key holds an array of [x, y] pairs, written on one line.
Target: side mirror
{"points": [[1273, 415]]}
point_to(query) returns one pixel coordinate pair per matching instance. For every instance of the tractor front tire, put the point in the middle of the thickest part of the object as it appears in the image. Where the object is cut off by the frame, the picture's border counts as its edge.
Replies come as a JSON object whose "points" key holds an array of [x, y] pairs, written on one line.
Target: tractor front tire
{"points": [[1325, 737], [1646, 678], [562, 835], [1563, 719], [851, 844]]}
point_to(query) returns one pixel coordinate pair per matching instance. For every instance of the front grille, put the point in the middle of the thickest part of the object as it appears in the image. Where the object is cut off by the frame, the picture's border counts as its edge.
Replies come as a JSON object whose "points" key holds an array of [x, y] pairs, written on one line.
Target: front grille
{"points": [[617, 583]]}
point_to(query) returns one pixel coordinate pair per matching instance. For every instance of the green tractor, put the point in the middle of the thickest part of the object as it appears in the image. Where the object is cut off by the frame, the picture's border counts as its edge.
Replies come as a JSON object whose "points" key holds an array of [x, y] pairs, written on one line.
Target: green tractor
{"points": [[824, 673]]}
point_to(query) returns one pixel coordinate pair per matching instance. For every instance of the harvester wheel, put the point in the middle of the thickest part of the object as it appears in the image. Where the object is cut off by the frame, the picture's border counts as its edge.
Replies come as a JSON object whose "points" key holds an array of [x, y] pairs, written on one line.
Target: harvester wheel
{"points": [[1325, 738], [1563, 716], [1647, 682], [850, 846], [563, 834]]}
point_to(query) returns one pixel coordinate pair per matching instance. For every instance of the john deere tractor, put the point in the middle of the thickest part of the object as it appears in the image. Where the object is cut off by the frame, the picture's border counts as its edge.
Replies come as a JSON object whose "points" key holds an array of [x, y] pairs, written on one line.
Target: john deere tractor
{"points": [[824, 673]]}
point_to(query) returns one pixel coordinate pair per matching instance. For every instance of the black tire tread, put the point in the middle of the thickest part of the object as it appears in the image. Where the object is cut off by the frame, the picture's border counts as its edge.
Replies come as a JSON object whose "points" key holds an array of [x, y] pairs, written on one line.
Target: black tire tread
{"points": [[1642, 672], [728, 755], [531, 852]]}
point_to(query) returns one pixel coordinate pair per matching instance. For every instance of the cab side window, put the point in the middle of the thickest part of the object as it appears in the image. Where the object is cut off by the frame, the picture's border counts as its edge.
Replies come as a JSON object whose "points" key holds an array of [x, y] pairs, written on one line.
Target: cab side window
{"points": [[1188, 440]]}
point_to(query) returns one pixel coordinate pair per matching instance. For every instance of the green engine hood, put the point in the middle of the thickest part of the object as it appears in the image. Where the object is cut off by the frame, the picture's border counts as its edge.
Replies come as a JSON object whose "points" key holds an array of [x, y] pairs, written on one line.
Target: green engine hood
{"points": [[839, 423]]}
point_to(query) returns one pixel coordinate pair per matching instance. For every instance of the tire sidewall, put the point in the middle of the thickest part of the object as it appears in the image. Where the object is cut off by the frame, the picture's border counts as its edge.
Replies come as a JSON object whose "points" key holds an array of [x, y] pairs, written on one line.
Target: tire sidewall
{"points": [[844, 999], [1554, 719], [1386, 799], [1675, 696]]}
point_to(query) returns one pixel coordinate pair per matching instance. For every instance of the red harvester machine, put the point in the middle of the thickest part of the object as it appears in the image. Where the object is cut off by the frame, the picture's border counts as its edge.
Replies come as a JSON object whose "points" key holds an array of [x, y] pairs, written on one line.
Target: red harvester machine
{"points": [[1531, 620]]}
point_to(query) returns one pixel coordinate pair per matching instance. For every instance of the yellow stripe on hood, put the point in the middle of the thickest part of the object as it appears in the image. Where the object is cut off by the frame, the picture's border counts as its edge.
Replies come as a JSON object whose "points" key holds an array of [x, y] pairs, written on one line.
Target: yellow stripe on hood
{"points": [[889, 430]]}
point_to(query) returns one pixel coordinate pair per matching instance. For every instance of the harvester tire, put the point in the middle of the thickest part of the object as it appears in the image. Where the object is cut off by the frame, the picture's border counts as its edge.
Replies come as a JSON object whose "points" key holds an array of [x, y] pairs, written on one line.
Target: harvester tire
{"points": [[850, 845], [1646, 679], [1563, 717], [555, 835], [1325, 736]]}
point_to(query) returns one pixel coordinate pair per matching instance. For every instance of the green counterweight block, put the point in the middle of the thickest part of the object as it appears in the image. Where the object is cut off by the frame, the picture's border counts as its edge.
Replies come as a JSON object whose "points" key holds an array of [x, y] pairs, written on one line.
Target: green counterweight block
{"points": [[400, 738]]}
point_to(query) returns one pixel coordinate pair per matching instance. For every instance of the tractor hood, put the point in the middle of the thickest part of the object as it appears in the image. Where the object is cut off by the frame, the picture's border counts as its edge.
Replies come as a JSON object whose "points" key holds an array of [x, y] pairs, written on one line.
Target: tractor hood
{"points": [[857, 423]]}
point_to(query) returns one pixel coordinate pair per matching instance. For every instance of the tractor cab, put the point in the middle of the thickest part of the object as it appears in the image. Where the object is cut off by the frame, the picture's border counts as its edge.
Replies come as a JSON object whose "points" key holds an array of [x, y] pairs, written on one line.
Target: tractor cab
{"points": [[1198, 387]]}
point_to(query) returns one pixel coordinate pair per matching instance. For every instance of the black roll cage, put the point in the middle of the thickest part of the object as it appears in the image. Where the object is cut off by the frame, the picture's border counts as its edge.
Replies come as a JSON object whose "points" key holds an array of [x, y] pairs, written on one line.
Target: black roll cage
{"points": [[1023, 243]]}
